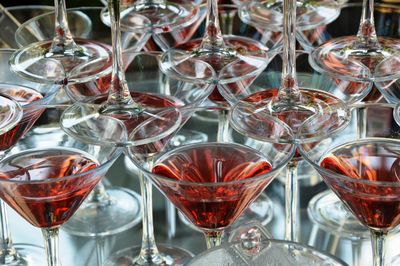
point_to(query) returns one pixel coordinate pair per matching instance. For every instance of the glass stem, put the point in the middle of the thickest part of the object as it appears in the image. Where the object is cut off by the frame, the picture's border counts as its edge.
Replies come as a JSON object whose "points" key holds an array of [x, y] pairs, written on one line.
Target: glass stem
{"points": [[223, 126], [100, 242], [171, 219], [8, 254], [361, 122], [213, 238], [378, 239], [149, 253], [212, 39], [291, 202], [366, 35], [52, 247], [63, 43], [119, 95], [289, 90], [99, 195]]}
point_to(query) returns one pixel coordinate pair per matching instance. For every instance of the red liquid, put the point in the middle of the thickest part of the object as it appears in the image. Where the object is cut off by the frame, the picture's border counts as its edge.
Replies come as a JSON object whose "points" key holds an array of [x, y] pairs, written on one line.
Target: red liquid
{"points": [[375, 206], [218, 62], [24, 96], [213, 207], [52, 203]]}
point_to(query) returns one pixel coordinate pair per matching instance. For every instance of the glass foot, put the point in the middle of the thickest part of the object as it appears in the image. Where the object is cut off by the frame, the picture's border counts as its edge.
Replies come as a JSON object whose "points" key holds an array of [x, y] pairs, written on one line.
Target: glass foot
{"points": [[27, 255], [329, 213], [261, 210], [89, 61], [120, 212], [129, 257], [160, 18]]}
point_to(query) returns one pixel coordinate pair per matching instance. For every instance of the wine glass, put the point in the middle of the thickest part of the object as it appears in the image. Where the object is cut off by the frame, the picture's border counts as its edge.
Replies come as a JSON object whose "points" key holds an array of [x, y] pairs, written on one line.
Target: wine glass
{"points": [[62, 60], [326, 209], [33, 99], [356, 57], [212, 183], [270, 14], [361, 170], [103, 204], [51, 180], [12, 17], [293, 104]]}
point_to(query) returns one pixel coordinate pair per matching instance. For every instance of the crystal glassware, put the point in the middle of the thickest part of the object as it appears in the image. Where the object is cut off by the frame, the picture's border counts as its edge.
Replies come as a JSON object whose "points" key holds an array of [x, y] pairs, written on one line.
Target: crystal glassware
{"points": [[362, 171], [62, 60], [39, 183], [33, 98], [103, 204], [11, 19], [293, 104], [212, 183]]}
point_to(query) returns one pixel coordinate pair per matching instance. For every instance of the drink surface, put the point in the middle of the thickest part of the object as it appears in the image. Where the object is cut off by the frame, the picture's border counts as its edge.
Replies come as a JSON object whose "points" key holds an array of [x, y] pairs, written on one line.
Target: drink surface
{"points": [[219, 204], [40, 200], [376, 205]]}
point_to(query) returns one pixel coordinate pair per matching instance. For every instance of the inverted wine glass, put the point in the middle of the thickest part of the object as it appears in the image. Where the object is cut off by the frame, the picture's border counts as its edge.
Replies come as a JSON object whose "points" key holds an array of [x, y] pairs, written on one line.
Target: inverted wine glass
{"points": [[138, 113], [362, 171], [62, 60], [12, 17], [270, 14], [292, 104], [33, 98], [225, 176], [356, 57], [103, 204], [61, 176]]}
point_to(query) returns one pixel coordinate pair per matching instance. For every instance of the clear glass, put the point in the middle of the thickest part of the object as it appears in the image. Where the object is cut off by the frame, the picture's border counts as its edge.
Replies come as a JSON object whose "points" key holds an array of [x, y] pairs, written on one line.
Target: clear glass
{"points": [[293, 104], [356, 57], [269, 14], [33, 98], [11, 19], [71, 189], [349, 189], [249, 189], [62, 60]]}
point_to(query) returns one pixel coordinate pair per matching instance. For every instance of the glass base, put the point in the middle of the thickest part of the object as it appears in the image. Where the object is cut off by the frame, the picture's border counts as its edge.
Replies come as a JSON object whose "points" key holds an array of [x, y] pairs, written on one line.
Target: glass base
{"points": [[129, 256], [265, 252], [311, 115], [155, 17], [87, 62], [261, 210], [120, 212], [346, 57], [28, 255], [329, 213], [269, 14]]}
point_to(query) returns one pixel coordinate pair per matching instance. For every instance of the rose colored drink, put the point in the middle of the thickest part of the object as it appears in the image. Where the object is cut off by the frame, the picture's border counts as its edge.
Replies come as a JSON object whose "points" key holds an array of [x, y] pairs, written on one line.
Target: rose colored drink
{"points": [[47, 204], [375, 206], [24, 96], [213, 207]]}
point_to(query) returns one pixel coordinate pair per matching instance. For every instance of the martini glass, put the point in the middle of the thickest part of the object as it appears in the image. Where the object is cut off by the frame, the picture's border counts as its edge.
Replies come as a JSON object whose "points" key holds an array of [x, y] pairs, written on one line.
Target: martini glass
{"points": [[265, 14], [62, 60], [12, 17], [212, 183], [356, 57], [293, 104], [52, 182], [104, 204], [148, 119], [10, 115], [362, 171], [33, 99]]}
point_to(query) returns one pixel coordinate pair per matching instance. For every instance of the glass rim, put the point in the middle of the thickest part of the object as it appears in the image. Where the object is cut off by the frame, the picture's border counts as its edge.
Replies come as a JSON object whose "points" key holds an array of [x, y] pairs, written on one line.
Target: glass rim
{"points": [[275, 170], [53, 88], [346, 178], [113, 156]]}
